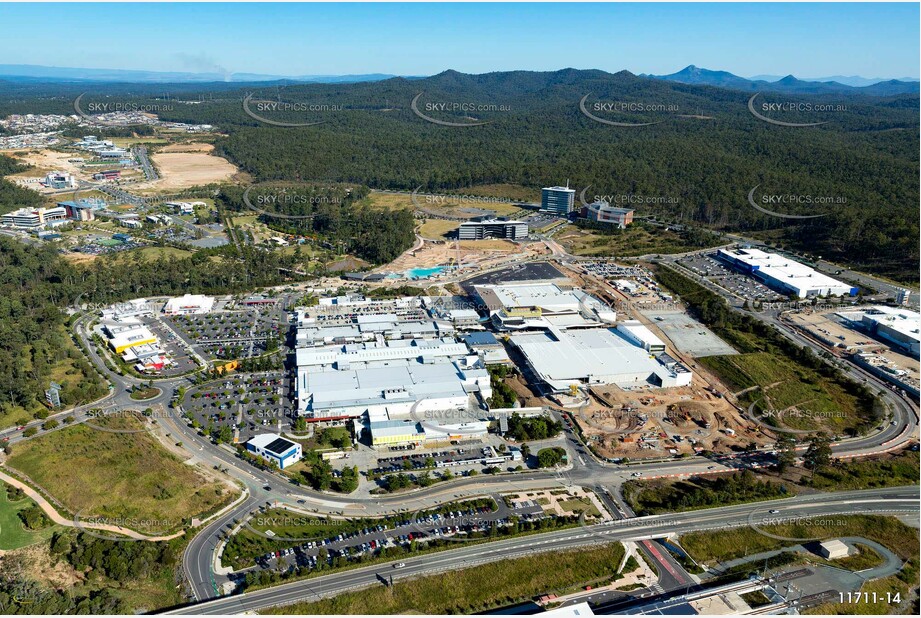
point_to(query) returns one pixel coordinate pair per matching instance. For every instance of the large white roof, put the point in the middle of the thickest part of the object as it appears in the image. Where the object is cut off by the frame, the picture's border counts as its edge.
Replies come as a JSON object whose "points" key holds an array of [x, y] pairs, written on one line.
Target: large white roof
{"points": [[786, 271], [562, 357]]}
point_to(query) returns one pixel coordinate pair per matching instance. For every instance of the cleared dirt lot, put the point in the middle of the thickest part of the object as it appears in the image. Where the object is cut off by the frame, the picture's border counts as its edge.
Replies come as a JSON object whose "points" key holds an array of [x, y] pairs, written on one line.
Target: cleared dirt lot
{"points": [[649, 424], [188, 165]]}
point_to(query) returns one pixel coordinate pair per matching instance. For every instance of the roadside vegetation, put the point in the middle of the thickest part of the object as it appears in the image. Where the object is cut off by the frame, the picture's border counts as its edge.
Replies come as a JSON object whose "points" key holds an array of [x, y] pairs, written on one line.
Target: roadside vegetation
{"points": [[477, 589], [654, 497], [715, 546]]}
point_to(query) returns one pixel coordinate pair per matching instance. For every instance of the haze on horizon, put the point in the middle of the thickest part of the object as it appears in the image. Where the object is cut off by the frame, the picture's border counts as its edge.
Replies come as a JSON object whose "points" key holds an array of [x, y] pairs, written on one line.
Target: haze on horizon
{"points": [[878, 40]]}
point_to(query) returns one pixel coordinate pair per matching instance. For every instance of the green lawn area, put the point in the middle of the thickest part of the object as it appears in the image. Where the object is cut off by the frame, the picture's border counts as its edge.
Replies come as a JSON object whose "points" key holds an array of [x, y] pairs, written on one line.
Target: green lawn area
{"points": [[476, 589], [118, 475], [437, 228], [583, 505], [13, 534], [154, 253]]}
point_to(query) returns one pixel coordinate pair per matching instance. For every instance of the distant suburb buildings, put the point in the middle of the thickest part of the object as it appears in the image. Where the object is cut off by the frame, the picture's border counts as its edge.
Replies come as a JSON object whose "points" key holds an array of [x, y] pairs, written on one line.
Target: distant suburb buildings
{"points": [[480, 229], [783, 274]]}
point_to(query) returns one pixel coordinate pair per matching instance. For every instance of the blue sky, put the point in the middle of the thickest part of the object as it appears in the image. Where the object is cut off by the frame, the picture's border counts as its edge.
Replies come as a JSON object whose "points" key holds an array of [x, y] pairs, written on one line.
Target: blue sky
{"points": [[807, 40]]}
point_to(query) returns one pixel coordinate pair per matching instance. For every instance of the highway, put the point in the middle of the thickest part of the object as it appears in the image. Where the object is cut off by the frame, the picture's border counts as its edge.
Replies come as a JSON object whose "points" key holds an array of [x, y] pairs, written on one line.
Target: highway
{"points": [[891, 500]]}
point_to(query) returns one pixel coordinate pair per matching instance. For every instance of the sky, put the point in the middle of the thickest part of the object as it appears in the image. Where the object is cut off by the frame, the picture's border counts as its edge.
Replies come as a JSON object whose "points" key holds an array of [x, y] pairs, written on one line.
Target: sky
{"points": [[806, 40]]}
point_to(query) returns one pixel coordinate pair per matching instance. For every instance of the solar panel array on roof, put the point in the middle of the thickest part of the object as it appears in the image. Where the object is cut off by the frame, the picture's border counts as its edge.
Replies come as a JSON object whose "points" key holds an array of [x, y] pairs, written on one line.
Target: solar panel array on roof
{"points": [[279, 446]]}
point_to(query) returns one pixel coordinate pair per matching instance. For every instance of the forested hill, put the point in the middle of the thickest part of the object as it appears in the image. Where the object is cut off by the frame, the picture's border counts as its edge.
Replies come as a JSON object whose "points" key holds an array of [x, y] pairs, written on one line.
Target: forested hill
{"points": [[699, 161]]}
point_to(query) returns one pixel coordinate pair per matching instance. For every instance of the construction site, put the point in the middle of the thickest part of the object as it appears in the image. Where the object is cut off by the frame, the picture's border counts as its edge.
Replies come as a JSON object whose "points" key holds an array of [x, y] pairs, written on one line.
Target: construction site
{"points": [[680, 421]]}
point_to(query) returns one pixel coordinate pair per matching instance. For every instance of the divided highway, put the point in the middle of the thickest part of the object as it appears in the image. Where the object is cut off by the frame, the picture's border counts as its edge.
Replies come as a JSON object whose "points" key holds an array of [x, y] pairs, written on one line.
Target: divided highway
{"points": [[883, 501]]}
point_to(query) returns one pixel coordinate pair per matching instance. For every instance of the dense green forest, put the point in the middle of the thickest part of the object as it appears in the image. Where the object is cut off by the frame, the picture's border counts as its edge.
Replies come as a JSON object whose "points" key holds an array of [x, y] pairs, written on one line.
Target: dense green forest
{"points": [[12, 196], [705, 154], [331, 214]]}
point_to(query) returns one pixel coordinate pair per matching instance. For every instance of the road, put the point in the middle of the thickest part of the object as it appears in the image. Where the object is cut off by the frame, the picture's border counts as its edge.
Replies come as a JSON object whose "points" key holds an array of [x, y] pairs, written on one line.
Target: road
{"points": [[150, 172], [890, 500]]}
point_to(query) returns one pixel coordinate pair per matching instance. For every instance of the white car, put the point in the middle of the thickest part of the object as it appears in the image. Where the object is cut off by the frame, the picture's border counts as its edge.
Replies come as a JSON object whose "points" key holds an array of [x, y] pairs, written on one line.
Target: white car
{"points": [[399, 565], [774, 512]]}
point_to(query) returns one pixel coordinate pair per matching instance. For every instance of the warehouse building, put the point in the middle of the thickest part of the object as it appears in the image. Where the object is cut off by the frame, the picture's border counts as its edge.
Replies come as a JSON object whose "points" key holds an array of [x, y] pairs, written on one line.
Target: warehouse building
{"points": [[492, 228], [783, 274], [640, 335], [561, 358], [895, 325], [274, 448]]}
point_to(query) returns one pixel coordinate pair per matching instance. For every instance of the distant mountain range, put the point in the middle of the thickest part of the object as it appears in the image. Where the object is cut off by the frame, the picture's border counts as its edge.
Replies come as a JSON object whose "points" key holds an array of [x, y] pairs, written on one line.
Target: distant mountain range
{"points": [[688, 75], [848, 80], [31, 72], [789, 84]]}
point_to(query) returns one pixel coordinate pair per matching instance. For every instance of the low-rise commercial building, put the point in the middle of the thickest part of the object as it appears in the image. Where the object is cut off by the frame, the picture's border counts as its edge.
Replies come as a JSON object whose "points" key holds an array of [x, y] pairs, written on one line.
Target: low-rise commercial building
{"points": [[783, 274], [35, 218], [605, 214], [272, 447], [396, 376], [561, 358], [189, 304], [492, 228]]}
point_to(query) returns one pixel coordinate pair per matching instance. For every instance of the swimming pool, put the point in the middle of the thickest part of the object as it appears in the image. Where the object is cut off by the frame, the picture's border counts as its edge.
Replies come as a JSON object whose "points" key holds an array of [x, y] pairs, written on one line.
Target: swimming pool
{"points": [[423, 273]]}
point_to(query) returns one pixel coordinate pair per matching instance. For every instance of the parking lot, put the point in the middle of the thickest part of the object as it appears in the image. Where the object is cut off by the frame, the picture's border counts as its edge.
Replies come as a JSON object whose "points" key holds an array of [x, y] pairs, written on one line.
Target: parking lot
{"points": [[172, 345], [724, 276], [471, 454], [531, 271], [450, 523], [230, 334], [248, 405]]}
